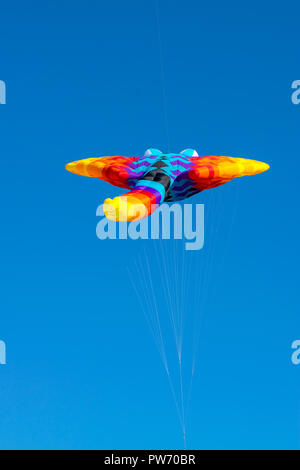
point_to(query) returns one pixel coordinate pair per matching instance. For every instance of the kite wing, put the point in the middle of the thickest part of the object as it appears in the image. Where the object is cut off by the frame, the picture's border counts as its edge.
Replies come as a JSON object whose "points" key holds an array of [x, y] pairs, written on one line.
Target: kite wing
{"points": [[115, 170], [209, 172]]}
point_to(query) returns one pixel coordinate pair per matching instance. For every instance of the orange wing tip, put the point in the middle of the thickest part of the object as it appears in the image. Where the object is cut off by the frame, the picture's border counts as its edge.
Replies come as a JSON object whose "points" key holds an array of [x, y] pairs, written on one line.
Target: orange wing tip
{"points": [[80, 167], [242, 167], [70, 167]]}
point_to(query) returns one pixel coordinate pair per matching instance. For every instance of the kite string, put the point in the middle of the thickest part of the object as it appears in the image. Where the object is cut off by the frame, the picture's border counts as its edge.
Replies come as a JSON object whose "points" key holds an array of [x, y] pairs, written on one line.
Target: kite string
{"points": [[167, 290], [173, 275], [160, 331], [163, 77], [148, 318], [202, 282], [150, 306]]}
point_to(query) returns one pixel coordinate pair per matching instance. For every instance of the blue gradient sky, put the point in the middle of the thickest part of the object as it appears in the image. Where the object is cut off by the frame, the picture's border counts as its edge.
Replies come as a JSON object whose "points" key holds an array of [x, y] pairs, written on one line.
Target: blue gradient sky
{"points": [[84, 79]]}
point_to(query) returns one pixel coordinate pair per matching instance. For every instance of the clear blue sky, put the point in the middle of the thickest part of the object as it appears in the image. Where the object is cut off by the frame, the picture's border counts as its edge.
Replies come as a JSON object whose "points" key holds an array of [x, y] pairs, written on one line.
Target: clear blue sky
{"points": [[84, 79]]}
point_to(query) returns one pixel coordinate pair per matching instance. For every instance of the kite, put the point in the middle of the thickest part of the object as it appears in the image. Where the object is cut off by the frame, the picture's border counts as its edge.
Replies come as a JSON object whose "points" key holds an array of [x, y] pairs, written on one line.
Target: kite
{"points": [[159, 177]]}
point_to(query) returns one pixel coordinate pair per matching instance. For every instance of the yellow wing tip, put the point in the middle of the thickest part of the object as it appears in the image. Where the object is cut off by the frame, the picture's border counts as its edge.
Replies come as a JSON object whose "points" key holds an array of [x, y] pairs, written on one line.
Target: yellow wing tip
{"points": [[251, 167], [68, 167], [74, 167], [79, 167], [261, 167]]}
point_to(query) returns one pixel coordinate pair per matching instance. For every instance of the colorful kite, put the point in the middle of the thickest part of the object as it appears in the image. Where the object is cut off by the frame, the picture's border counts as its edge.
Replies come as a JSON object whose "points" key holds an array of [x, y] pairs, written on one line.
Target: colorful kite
{"points": [[158, 177]]}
